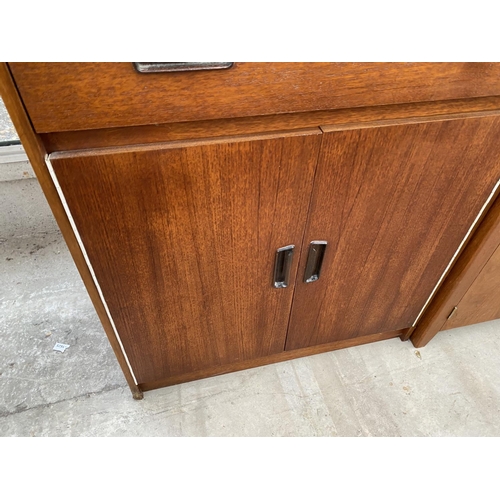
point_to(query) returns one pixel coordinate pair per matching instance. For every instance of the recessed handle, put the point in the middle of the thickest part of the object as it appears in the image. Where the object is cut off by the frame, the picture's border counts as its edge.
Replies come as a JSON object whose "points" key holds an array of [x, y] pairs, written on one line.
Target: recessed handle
{"points": [[282, 265], [314, 261], [170, 67]]}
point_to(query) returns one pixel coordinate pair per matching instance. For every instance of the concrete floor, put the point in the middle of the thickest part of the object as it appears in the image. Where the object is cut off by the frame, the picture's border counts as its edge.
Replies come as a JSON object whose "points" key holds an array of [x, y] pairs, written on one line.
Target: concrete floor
{"points": [[449, 388], [7, 130]]}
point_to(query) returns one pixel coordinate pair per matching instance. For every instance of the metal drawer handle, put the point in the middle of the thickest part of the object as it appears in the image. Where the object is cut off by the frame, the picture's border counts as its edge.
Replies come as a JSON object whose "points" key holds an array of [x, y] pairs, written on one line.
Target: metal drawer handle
{"points": [[282, 264], [314, 261], [170, 67]]}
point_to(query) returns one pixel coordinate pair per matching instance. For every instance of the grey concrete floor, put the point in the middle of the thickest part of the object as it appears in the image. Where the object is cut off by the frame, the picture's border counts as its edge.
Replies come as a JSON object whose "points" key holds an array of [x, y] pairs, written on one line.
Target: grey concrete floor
{"points": [[7, 130], [449, 388]]}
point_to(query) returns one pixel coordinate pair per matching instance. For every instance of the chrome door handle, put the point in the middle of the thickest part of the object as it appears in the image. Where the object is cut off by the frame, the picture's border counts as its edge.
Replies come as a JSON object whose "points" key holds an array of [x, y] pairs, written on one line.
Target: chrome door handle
{"points": [[314, 261], [282, 265]]}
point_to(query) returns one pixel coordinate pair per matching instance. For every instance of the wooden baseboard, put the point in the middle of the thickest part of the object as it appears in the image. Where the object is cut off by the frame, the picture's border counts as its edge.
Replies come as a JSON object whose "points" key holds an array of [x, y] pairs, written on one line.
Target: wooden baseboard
{"points": [[275, 358]]}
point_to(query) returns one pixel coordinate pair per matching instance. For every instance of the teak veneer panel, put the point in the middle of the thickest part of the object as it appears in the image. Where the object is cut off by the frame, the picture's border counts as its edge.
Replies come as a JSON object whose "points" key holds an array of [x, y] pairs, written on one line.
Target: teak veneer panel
{"points": [[182, 239], [78, 96], [394, 203]]}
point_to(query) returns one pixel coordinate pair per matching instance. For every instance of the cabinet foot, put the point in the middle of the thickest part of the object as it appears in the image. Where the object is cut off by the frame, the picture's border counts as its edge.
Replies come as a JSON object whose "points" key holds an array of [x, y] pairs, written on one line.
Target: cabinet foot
{"points": [[137, 394]]}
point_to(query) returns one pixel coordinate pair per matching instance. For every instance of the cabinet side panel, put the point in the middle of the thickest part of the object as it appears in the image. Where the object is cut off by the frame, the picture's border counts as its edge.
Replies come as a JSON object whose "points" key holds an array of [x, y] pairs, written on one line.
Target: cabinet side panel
{"points": [[394, 204], [182, 241]]}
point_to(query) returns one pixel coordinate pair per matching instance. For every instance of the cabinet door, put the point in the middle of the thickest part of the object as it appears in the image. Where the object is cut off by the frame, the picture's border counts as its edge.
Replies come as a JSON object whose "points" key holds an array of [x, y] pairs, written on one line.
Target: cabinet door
{"points": [[394, 203], [182, 239]]}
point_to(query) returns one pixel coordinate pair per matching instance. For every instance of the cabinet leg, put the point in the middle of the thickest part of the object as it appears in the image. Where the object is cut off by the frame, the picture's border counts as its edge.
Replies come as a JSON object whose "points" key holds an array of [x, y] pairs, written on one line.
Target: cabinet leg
{"points": [[137, 394]]}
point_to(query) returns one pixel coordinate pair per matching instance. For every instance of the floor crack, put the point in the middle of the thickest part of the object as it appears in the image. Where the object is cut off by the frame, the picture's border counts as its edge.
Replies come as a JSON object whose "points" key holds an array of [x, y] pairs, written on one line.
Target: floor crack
{"points": [[107, 388]]}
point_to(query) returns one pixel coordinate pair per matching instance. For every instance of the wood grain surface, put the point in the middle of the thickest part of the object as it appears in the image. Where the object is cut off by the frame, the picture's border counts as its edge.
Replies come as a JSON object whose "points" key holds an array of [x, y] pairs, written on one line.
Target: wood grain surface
{"points": [[394, 204], [78, 96], [479, 250], [183, 239], [481, 302], [146, 134]]}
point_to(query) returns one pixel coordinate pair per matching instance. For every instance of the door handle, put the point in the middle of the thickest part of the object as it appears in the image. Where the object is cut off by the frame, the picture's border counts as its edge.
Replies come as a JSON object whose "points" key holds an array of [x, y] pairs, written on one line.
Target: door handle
{"points": [[314, 261], [170, 67], [282, 265]]}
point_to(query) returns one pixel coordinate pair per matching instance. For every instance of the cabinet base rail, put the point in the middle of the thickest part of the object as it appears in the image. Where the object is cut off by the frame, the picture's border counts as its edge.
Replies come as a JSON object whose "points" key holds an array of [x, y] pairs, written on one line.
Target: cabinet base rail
{"points": [[268, 360]]}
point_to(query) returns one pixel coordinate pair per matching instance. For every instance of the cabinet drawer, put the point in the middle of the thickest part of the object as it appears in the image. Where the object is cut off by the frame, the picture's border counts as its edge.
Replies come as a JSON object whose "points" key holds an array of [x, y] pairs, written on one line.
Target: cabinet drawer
{"points": [[80, 96]]}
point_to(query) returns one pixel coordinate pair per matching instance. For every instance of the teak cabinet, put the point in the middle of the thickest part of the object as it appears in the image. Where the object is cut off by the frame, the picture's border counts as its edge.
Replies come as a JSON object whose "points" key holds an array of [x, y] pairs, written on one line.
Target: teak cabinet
{"points": [[215, 245]]}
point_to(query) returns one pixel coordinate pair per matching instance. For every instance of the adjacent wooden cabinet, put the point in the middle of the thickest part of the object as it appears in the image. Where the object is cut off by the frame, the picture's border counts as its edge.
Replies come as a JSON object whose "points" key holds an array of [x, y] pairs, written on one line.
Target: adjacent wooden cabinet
{"points": [[481, 301], [176, 227], [468, 293]]}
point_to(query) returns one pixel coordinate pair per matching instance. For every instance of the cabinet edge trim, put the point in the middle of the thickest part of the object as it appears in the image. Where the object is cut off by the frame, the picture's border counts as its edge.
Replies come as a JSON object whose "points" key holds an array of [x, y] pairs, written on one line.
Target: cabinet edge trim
{"points": [[185, 143], [216, 128], [410, 120]]}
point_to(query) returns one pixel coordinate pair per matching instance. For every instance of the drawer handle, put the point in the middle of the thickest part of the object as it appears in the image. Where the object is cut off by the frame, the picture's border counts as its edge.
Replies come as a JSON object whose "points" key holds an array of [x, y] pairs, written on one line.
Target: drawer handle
{"points": [[282, 264], [314, 261], [170, 67]]}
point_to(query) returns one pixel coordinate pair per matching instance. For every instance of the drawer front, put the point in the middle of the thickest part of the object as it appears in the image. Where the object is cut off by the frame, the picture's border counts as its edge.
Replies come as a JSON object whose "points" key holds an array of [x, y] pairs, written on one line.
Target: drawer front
{"points": [[80, 96]]}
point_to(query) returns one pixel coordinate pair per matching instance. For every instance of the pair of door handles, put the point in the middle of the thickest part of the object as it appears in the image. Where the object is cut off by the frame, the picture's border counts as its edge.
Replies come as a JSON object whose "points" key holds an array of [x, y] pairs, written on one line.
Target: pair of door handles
{"points": [[283, 263]]}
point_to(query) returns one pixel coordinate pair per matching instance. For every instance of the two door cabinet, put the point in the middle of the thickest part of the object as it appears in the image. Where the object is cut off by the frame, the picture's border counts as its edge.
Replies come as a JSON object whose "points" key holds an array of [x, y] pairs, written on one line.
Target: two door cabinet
{"points": [[184, 237], [218, 245]]}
